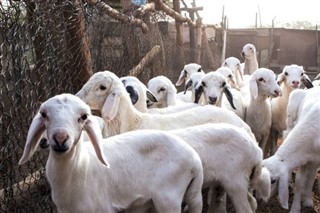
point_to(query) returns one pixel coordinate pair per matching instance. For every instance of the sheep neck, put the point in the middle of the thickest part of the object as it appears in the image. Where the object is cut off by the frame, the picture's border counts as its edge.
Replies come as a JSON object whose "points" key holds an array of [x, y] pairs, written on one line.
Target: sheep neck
{"points": [[250, 65], [70, 175], [127, 118]]}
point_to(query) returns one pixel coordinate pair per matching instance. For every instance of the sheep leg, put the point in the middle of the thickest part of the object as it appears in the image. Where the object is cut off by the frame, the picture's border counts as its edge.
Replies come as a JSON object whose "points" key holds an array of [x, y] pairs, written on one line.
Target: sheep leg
{"points": [[309, 181], [299, 181], [193, 195], [217, 199], [253, 202], [304, 185], [263, 145], [239, 197], [272, 141]]}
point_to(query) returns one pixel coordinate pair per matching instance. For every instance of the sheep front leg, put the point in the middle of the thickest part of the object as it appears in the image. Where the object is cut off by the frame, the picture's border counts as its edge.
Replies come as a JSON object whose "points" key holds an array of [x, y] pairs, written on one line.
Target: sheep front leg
{"points": [[311, 171]]}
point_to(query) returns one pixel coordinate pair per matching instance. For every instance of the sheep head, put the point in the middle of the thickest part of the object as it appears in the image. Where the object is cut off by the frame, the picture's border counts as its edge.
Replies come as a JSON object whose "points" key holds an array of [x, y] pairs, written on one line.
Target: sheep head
{"points": [[103, 92], [213, 85], [187, 71], [293, 75], [248, 51], [163, 90], [234, 64], [279, 178], [63, 118], [228, 74], [263, 83]]}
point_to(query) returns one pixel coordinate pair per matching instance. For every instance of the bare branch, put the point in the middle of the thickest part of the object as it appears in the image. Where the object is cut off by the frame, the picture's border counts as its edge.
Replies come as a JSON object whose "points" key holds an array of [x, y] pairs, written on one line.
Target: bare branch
{"points": [[145, 61], [144, 9], [120, 16], [165, 8]]}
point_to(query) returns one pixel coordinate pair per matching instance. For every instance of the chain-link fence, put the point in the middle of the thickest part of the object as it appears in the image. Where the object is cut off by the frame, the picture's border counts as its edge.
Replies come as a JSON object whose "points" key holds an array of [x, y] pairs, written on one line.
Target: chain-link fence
{"points": [[52, 47]]}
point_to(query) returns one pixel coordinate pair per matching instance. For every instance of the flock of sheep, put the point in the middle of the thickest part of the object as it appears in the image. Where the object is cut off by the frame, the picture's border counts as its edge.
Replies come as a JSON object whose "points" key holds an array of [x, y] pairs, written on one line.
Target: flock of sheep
{"points": [[221, 133]]}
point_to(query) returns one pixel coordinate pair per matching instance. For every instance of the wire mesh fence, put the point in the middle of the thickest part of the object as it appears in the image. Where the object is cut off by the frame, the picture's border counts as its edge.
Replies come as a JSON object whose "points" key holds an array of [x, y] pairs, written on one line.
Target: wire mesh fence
{"points": [[52, 47]]}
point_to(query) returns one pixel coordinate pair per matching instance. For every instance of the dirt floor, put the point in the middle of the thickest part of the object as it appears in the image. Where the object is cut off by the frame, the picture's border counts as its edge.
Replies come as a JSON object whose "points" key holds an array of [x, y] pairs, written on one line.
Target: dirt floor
{"points": [[273, 206]]}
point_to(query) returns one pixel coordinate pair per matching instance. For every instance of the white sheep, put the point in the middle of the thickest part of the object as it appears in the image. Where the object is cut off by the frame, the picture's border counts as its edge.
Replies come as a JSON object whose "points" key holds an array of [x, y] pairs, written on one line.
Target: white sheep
{"points": [[141, 97], [291, 78], [105, 92], [192, 82], [234, 64], [216, 140], [258, 114], [188, 70], [163, 90], [228, 74], [300, 149], [216, 91], [166, 171], [227, 151], [316, 80], [250, 59]]}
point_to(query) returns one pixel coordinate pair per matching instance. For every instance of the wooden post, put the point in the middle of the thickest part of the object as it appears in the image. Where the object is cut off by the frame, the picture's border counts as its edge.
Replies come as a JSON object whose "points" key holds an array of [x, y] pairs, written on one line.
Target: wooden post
{"points": [[179, 37], [224, 30], [206, 46], [318, 50], [192, 36]]}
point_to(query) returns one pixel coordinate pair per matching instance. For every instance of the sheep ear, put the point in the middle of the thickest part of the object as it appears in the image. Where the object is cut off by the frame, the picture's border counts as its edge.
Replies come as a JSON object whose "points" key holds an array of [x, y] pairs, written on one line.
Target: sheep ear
{"points": [[253, 87], [187, 85], [306, 81], [35, 131], [171, 96], [283, 191], [134, 95], [111, 105], [198, 92], [151, 96], [182, 76], [281, 78], [91, 127], [239, 71], [229, 97]]}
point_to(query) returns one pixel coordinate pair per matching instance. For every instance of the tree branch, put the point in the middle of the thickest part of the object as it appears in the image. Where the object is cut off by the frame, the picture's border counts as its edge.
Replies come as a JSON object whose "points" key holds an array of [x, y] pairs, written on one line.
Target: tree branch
{"points": [[119, 16], [145, 61]]}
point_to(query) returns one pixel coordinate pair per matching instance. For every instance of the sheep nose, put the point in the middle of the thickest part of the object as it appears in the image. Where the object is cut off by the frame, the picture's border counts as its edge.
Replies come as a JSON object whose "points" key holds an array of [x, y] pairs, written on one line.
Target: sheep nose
{"points": [[295, 84], [60, 138], [212, 100]]}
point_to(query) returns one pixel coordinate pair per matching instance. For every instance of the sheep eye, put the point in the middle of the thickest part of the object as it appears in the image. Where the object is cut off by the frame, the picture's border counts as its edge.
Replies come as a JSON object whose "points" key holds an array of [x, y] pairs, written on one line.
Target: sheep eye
{"points": [[162, 89], [260, 79], [84, 117], [229, 76], [203, 84], [301, 74], [285, 73], [199, 70], [103, 87], [225, 63], [43, 114], [223, 84], [273, 181]]}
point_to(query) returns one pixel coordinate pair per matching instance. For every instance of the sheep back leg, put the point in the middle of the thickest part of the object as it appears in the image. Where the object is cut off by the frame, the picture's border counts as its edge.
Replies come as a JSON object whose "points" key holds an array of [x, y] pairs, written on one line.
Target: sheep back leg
{"points": [[217, 199], [304, 182], [239, 196], [193, 195]]}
